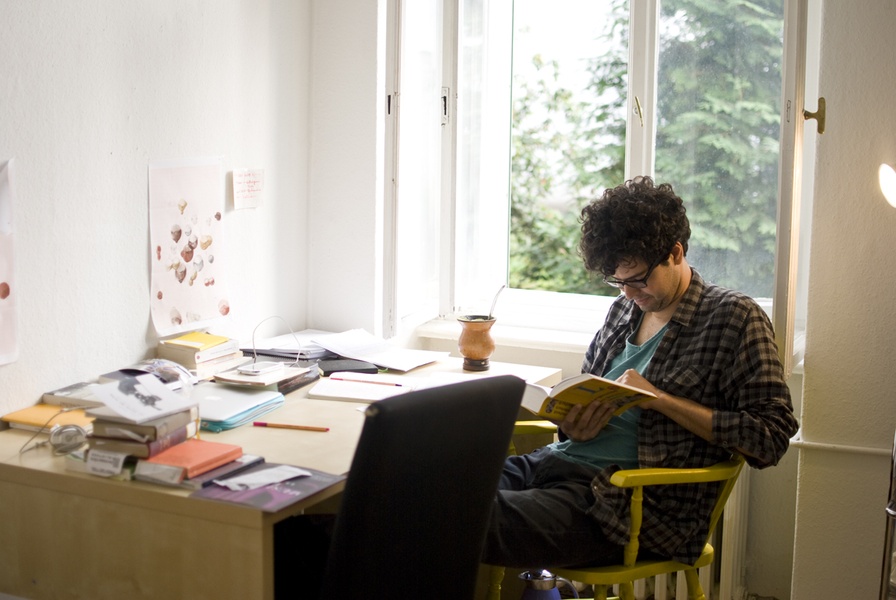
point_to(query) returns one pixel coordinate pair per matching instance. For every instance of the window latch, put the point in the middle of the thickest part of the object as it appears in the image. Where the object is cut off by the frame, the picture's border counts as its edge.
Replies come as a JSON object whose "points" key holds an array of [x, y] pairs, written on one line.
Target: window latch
{"points": [[638, 111], [445, 92]]}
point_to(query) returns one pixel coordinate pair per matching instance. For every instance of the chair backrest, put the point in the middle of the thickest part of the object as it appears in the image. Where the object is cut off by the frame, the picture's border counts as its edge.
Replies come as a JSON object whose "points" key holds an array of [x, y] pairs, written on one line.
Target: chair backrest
{"points": [[733, 468], [420, 491]]}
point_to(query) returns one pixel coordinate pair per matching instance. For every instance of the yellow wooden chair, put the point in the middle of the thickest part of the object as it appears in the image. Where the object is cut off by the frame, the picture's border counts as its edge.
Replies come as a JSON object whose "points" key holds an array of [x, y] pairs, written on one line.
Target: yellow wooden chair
{"points": [[632, 569]]}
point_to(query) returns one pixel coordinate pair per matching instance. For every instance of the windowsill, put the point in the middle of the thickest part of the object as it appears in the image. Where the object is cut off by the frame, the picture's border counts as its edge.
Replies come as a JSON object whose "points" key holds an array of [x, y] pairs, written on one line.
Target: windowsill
{"points": [[566, 331], [529, 338]]}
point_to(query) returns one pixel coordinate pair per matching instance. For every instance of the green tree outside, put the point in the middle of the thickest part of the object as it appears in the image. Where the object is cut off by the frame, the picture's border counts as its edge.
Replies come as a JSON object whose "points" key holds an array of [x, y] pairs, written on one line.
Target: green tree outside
{"points": [[718, 112]]}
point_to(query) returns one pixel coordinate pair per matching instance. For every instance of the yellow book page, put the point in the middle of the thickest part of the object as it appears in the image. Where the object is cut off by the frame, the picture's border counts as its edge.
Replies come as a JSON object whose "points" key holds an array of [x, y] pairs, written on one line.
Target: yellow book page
{"points": [[593, 389], [199, 340]]}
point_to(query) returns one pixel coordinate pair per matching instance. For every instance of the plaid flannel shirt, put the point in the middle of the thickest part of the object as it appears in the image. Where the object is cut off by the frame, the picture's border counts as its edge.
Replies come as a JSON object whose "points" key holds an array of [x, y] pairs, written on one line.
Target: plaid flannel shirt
{"points": [[719, 351]]}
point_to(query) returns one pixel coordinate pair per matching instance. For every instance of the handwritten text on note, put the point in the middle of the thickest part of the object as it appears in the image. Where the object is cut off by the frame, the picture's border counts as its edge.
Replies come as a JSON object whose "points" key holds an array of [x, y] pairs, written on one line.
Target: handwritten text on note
{"points": [[248, 185]]}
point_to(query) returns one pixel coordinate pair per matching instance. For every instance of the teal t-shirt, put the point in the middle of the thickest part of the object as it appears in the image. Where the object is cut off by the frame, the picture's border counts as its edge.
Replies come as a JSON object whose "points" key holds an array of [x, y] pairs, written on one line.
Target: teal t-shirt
{"points": [[617, 443]]}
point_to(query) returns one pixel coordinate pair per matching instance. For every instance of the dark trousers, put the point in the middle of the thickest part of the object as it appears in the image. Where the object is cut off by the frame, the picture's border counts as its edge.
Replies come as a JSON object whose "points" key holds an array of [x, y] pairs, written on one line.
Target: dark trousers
{"points": [[540, 516]]}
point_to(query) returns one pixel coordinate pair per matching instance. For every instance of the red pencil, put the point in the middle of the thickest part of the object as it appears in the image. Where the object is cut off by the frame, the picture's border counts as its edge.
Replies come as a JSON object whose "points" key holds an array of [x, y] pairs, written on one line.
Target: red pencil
{"points": [[288, 426]]}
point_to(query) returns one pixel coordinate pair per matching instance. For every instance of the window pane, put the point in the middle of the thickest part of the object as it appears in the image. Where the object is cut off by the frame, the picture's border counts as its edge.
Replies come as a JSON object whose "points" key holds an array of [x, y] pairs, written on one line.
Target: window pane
{"points": [[570, 61], [419, 176], [717, 134], [483, 132]]}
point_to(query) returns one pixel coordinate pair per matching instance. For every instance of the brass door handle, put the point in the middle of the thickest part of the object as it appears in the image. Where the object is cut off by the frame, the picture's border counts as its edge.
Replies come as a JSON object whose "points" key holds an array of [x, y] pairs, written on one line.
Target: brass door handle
{"points": [[818, 115]]}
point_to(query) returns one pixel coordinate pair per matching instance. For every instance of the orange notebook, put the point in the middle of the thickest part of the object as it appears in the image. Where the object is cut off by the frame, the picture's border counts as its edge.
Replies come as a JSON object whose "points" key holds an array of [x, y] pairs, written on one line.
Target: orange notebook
{"points": [[42, 417], [196, 456]]}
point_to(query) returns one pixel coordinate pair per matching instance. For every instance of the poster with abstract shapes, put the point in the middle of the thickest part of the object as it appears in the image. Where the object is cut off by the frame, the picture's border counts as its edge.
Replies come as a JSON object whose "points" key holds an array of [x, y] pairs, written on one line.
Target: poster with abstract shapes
{"points": [[186, 208], [9, 343]]}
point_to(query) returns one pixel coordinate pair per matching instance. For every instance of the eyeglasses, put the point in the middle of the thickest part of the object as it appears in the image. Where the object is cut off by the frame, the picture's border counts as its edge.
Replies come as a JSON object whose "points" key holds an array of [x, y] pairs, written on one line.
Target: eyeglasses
{"points": [[637, 283]]}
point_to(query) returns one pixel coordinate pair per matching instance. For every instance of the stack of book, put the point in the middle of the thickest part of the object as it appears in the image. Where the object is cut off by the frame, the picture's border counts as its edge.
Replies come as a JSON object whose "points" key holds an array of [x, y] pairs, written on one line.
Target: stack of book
{"points": [[114, 433], [188, 463], [204, 354]]}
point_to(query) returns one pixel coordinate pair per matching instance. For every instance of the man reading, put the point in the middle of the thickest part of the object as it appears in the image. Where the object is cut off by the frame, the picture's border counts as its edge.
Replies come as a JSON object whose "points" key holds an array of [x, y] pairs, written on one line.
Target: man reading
{"points": [[709, 355]]}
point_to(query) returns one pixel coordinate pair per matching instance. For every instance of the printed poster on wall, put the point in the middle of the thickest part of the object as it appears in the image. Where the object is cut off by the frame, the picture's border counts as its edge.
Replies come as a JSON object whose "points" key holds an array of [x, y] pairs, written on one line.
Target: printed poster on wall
{"points": [[9, 343], [186, 209]]}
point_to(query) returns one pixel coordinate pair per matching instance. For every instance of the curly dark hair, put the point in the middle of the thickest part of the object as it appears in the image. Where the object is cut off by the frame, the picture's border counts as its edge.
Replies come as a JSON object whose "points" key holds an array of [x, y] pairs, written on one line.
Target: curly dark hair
{"points": [[634, 221]]}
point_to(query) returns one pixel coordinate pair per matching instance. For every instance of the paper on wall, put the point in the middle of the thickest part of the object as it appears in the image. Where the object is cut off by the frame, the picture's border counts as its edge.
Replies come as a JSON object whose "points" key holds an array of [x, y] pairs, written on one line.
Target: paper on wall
{"points": [[248, 186], [9, 344], [186, 209]]}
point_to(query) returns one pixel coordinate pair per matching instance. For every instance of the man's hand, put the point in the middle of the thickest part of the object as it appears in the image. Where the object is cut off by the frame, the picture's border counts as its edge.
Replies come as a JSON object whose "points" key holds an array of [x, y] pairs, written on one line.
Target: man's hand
{"points": [[635, 379], [583, 423], [692, 416]]}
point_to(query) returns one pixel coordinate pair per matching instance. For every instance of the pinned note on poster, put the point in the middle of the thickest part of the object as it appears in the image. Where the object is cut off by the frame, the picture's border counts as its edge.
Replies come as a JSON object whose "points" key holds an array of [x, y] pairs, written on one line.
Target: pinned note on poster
{"points": [[248, 186]]}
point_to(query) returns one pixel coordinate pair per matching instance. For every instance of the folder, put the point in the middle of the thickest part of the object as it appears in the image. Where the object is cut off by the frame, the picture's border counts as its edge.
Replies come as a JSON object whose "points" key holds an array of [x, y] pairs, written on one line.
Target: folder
{"points": [[224, 407]]}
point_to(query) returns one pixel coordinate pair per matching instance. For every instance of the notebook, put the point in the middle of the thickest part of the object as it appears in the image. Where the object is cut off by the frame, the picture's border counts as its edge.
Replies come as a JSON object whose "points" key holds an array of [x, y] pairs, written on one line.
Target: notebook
{"points": [[225, 406], [43, 417]]}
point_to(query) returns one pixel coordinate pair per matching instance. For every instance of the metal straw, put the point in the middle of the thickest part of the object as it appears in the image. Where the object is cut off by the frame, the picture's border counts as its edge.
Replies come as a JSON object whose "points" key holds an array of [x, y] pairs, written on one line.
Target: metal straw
{"points": [[495, 301]]}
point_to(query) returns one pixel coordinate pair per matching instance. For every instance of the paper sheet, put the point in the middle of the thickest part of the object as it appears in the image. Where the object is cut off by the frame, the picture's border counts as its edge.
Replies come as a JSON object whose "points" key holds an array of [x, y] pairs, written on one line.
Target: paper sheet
{"points": [[186, 208], [289, 345], [9, 345], [262, 477], [361, 345], [142, 398]]}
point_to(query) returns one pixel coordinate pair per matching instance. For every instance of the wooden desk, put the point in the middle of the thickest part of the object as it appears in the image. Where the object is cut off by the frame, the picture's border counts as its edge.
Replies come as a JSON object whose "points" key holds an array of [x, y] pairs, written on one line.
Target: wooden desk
{"points": [[71, 535]]}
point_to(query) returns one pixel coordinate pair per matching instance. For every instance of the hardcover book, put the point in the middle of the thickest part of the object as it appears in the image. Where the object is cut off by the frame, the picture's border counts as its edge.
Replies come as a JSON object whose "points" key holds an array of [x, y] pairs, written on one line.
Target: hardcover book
{"points": [[143, 449], [208, 369], [196, 340], [77, 395], [197, 456], [174, 476], [192, 357], [111, 425], [328, 367]]}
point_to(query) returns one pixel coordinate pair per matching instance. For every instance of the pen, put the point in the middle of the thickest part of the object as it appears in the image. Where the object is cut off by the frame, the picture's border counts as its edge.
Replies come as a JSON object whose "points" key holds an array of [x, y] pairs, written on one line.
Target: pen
{"points": [[366, 381], [288, 426]]}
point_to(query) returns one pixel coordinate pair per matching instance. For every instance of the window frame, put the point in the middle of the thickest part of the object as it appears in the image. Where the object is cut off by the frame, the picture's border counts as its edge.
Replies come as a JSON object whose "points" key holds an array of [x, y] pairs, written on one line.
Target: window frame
{"points": [[583, 314]]}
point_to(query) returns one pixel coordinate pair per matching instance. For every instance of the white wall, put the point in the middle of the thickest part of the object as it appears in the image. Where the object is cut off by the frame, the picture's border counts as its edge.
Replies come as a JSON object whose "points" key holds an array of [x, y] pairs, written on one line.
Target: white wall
{"points": [[95, 90], [849, 374]]}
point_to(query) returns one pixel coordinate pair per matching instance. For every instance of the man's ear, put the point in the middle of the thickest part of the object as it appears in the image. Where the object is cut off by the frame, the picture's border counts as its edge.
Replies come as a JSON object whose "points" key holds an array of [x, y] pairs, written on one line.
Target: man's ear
{"points": [[677, 253]]}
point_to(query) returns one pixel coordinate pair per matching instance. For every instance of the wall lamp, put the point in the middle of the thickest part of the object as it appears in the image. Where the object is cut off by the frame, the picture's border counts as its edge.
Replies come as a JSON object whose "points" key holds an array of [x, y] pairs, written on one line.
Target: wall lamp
{"points": [[887, 177]]}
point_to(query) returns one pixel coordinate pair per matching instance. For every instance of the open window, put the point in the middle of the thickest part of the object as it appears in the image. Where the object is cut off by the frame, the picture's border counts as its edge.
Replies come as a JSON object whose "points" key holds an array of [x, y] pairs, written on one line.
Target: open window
{"points": [[544, 103]]}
